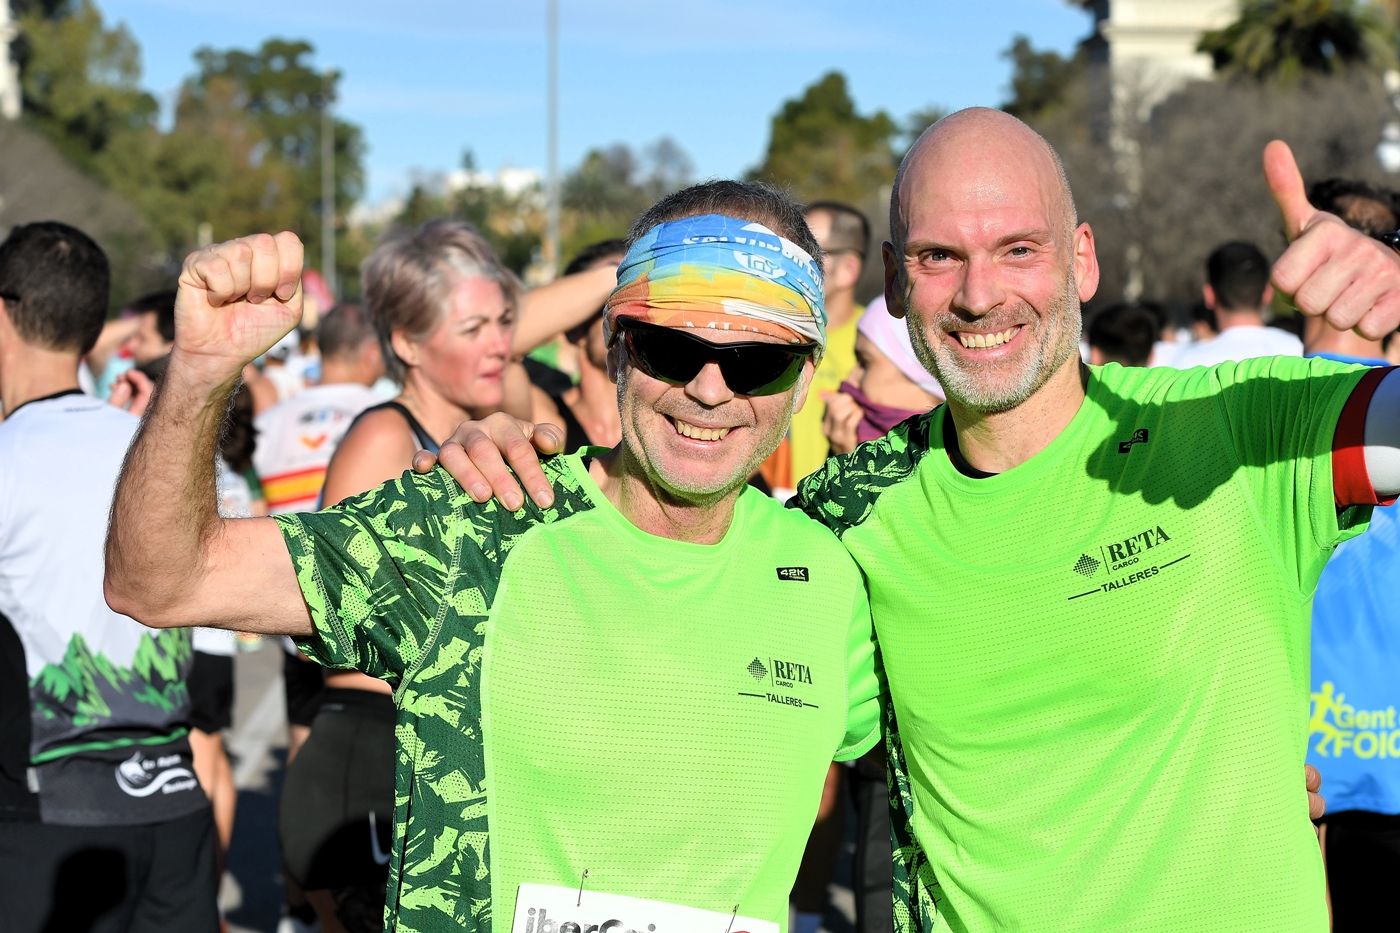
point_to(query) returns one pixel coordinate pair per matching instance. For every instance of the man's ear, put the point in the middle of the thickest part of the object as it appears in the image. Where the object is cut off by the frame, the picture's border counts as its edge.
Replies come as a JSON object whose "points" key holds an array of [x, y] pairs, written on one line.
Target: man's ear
{"points": [[894, 290], [1208, 296], [617, 358], [1086, 263], [804, 384]]}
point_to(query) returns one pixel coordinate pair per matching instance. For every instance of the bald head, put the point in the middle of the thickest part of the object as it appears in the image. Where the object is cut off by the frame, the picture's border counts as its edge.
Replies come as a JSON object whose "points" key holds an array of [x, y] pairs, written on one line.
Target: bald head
{"points": [[979, 150]]}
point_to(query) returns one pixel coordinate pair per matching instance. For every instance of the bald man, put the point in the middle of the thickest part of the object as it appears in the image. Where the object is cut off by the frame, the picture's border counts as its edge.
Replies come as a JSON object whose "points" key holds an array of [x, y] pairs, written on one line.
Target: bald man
{"points": [[1123, 561], [1091, 584]]}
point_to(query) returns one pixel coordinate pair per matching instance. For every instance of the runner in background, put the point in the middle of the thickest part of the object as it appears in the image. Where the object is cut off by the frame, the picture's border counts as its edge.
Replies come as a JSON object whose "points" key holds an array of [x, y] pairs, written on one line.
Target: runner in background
{"points": [[103, 825], [844, 235], [297, 437], [1354, 736]]}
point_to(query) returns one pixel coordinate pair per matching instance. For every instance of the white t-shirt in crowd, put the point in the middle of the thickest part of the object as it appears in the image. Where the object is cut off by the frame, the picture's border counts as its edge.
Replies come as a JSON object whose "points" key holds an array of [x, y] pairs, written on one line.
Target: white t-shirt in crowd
{"points": [[296, 439], [1239, 343]]}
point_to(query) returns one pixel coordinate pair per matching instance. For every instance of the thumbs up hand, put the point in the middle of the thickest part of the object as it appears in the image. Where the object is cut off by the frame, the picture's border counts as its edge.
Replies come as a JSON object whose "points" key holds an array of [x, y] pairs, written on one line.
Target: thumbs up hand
{"points": [[1330, 270]]}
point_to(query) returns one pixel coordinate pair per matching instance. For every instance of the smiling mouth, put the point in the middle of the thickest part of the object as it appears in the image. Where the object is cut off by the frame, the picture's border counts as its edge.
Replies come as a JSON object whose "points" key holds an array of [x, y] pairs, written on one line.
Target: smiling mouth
{"points": [[986, 341], [695, 432]]}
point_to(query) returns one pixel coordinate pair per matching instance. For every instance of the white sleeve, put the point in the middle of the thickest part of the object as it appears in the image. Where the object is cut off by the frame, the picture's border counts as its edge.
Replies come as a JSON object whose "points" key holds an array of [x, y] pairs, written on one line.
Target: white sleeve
{"points": [[1383, 436]]}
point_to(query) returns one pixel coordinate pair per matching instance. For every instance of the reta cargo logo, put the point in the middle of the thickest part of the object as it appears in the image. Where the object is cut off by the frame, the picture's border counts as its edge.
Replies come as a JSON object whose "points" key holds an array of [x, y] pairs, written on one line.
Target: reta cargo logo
{"points": [[1119, 554], [1127, 562], [780, 674]]}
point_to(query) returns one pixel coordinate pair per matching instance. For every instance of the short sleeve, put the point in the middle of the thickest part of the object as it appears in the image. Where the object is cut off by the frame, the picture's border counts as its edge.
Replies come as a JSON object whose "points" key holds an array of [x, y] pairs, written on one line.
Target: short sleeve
{"points": [[373, 571], [841, 494], [862, 685], [1281, 415]]}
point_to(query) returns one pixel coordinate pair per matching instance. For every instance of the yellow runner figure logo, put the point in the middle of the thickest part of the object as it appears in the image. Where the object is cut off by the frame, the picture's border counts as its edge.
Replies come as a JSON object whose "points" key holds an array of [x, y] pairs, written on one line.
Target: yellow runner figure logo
{"points": [[1336, 728]]}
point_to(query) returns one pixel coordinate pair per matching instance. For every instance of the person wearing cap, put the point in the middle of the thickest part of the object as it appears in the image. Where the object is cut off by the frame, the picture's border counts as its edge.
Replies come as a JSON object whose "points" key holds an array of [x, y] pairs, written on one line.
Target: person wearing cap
{"points": [[620, 708]]}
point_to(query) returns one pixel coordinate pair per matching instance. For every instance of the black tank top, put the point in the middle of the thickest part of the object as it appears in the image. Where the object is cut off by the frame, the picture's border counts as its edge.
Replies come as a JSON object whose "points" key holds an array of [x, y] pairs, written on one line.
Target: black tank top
{"points": [[425, 441], [574, 434]]}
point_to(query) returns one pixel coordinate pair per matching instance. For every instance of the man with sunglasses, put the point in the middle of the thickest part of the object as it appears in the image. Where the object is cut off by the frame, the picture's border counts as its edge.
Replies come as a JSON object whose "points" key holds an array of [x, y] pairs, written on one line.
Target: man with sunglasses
{"points": [[617, 709]]}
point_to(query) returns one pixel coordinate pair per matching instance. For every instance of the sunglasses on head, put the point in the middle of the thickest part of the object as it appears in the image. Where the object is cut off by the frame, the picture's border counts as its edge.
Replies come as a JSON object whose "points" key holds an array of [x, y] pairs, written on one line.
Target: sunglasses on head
{"points": [[676, 356]]}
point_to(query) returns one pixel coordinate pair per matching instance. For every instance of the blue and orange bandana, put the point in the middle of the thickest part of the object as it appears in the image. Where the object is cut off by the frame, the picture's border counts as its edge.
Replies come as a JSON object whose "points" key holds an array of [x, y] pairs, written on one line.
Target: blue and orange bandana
{"points": [[723, 273]]}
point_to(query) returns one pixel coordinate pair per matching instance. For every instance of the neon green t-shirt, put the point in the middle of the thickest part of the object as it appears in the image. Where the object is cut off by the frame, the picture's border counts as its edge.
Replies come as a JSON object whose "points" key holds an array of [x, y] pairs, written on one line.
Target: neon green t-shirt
{"points": [[1098, 660], [577, 694]]}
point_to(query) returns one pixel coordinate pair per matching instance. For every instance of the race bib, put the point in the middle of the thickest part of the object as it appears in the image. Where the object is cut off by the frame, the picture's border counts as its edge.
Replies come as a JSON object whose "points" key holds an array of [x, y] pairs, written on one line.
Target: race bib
{"points": [[547, 908]]}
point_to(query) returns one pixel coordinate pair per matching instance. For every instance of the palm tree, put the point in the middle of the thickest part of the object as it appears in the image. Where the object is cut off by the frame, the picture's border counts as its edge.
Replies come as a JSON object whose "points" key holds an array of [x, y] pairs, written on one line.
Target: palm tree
{"points": [[1287, 39]]}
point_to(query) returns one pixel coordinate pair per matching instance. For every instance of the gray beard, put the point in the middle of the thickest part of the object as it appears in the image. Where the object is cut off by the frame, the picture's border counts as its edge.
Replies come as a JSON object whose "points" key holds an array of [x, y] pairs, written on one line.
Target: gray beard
{"points": [[961, 383]]}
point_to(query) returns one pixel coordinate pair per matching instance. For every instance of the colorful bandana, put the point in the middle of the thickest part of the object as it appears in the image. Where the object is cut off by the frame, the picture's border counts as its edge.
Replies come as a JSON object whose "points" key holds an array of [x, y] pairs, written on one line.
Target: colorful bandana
{"points": [[720, 272]]}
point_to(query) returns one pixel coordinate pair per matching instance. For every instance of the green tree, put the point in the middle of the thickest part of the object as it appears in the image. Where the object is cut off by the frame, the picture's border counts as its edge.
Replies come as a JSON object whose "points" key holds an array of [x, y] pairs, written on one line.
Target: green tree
{"points": [[285, 98], [820, 147], [612, 185], [513, 223], [79, 79], [1287, 39], [1041, 79]]}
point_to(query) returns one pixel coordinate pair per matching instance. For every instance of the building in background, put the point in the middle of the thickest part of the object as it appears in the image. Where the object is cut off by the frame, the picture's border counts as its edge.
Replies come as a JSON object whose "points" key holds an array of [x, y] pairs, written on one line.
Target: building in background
{"points": [[1150, 46], [9, 69], [1144, 51]]}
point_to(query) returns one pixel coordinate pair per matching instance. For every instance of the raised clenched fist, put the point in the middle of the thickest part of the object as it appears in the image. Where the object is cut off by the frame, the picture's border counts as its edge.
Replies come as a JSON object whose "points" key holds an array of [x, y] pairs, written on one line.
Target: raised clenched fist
{"points": [[235, 300]]}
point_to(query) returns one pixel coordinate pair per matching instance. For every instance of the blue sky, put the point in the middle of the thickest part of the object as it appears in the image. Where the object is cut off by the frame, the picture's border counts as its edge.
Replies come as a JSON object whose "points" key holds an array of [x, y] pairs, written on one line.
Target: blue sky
{"points": [[428, 79]]}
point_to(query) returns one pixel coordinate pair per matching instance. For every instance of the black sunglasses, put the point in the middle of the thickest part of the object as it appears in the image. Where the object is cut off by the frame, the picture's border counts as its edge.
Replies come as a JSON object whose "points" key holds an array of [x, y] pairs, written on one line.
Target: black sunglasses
{"points": [[676, 356]]}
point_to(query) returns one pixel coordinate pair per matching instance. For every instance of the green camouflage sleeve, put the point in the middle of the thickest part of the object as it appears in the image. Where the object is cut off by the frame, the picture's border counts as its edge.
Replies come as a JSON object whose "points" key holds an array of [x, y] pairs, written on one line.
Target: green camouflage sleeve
{"points": [[372, 571], [842, 493], [916, 889]]}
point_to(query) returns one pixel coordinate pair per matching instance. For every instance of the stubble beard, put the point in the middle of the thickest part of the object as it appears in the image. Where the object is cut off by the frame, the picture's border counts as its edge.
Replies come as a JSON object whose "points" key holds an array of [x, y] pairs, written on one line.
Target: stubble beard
{"points": [[643, 453], [975, 386]]}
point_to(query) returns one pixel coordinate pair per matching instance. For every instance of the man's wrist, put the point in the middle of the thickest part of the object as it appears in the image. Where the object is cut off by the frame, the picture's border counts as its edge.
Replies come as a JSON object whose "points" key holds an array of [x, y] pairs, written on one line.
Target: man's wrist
{"points": [[195, 374]]}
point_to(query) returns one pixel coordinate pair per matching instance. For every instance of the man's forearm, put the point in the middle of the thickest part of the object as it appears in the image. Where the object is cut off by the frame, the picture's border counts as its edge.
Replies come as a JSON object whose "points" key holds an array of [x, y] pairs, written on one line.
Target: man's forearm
{"points": [[165, 513]]}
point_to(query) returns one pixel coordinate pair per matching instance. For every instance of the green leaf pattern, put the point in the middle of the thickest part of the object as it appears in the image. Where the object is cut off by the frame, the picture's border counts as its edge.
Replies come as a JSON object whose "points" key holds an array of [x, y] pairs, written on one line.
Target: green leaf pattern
{"points": [[400, 582]]}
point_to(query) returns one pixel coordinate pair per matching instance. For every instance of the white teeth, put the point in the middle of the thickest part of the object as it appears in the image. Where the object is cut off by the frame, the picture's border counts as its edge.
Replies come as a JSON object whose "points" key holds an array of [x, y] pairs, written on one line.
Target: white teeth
{"points": [[697, 432], [971, 340]]}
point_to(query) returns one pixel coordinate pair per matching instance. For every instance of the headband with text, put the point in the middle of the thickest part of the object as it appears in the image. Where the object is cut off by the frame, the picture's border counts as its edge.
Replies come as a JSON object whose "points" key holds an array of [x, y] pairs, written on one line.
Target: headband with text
{"points": [[723, 273]]}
